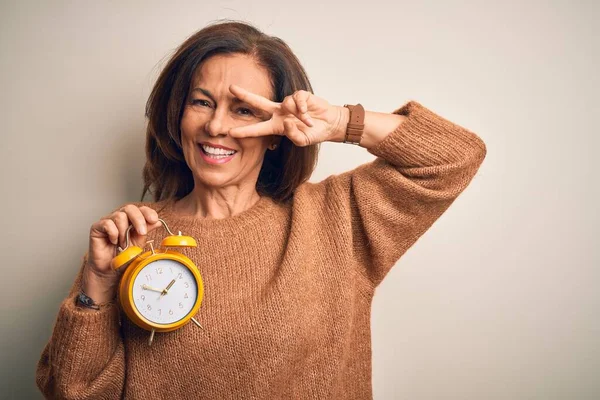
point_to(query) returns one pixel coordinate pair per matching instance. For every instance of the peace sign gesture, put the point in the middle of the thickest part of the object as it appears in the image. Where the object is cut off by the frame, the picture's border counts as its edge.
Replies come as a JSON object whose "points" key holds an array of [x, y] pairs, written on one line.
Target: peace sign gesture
{"points": [[303, 117]]}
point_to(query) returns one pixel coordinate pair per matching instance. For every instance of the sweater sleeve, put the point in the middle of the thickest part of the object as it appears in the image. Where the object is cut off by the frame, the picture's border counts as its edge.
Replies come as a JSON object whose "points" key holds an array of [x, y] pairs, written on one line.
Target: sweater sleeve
{"points": [[381, 208], [84, 358]]}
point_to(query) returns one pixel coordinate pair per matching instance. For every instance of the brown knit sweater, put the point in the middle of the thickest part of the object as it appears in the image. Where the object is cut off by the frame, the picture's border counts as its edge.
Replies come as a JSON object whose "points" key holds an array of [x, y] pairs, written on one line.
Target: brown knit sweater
{"points": [[288, 287]]}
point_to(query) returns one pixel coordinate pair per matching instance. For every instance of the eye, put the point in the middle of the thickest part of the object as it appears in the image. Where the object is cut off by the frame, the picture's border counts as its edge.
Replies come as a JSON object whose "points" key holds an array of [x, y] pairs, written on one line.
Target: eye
{"points": [[245, 111], [200, 102]]}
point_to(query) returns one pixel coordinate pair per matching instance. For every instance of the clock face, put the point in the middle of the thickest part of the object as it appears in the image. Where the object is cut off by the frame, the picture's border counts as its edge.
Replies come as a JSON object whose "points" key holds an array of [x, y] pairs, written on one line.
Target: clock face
{"points": [[164, 291]]}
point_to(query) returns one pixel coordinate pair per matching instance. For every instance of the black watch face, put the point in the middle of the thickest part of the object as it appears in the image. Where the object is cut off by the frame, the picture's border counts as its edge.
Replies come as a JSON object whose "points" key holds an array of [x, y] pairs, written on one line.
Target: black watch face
{"points": [[83, 299]]}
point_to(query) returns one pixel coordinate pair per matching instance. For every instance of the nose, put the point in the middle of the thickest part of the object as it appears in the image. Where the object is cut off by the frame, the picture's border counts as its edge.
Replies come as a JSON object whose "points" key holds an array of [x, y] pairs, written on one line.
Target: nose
{"points": [[217, 125]]}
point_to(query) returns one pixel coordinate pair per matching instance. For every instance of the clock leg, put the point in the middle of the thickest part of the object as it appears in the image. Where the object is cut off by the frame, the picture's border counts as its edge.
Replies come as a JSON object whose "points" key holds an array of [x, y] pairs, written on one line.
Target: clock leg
{"points": [[197, 323], [151, 337]]}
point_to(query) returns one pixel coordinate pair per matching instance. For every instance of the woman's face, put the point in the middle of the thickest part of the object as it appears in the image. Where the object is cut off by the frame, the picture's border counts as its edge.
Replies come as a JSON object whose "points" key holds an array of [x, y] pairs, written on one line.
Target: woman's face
{"points": [[216, 159]]}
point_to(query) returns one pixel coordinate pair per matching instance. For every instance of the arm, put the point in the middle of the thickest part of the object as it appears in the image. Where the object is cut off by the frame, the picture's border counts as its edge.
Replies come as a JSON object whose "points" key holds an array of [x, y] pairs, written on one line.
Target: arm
{"points": [[381, 208], [84, 358], [424, 162], [377, 126]]}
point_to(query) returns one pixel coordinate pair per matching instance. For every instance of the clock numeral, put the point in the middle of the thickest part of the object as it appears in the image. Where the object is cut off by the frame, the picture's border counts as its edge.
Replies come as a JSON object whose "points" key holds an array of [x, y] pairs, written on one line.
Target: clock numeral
{"points": [[149, 307], [159, 311], [159, 270], [180, 275], [187, 285], [170, 312], [148, 278], [180, 305], [185, 296], [171, 268], [143, 297]]}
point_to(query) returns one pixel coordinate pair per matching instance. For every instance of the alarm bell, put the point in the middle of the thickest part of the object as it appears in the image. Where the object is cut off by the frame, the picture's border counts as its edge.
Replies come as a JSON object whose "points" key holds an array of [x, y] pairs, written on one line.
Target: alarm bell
{"points": [[130, 252]]}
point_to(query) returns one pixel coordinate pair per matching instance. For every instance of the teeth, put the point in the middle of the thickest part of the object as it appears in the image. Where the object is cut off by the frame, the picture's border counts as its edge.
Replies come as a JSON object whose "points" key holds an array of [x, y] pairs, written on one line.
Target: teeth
{"points": [[213, 151]]}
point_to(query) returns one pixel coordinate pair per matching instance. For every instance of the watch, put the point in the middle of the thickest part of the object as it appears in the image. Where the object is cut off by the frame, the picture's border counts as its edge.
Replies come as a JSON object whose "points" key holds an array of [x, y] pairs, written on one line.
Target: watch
{"points": [[356, 124], [86, 301]]}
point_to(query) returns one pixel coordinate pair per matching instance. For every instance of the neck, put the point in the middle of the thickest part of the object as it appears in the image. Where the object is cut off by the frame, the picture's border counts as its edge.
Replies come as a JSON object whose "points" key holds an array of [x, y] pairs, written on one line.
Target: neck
{"points": [[217, 203]]}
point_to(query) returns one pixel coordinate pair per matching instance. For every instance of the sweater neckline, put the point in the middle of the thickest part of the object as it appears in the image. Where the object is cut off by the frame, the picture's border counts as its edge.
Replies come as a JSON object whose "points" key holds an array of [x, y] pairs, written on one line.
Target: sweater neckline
{"points": [[257, 214]]}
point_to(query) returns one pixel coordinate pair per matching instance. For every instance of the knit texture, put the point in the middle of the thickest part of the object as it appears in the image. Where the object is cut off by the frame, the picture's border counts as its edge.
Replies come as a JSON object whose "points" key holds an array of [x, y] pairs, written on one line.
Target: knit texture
{"points": [[288, 287]]}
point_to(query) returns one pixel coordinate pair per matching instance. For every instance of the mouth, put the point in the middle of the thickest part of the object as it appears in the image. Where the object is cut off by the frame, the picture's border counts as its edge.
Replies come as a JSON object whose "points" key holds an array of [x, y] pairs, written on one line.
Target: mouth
{"points": [[213, 154]]}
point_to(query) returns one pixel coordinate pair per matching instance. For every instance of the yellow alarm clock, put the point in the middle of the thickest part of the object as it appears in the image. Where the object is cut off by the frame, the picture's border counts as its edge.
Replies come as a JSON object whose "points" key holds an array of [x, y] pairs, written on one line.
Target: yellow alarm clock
{"points": [[161, 290]]}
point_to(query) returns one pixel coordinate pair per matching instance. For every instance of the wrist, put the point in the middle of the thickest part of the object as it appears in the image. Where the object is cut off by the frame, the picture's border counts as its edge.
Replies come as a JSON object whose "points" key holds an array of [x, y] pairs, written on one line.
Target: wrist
{"points": [[339, 130], [101, 289]]}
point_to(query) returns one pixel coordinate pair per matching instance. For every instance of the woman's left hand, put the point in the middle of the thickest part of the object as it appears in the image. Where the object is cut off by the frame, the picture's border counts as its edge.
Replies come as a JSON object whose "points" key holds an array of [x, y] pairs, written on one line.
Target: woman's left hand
{"points": [[303, 117]]}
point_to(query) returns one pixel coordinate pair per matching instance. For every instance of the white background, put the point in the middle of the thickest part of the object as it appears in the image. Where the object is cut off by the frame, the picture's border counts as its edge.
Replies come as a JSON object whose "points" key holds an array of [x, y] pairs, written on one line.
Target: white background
{"points": [[498, 300]]}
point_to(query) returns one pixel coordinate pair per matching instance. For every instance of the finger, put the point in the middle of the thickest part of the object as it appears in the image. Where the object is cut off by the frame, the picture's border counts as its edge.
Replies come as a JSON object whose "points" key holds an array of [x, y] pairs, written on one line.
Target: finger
{"points": [[136, 218], [294, 134], [150, 215], [264, 128], [105, 228], [254, 99], [111, 231], [122, 223], [301, 98], [290, 106]]}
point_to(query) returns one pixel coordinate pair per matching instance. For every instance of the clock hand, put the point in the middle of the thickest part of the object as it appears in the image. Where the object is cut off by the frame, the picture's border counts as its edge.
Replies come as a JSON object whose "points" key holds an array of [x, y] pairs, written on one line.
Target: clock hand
{"points": [[147, 287], [166, 290]]}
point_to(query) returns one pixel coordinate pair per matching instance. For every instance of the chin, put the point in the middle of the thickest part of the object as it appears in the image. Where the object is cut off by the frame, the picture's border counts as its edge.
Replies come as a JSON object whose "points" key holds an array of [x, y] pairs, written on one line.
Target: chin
{"points": [[213, 180]]}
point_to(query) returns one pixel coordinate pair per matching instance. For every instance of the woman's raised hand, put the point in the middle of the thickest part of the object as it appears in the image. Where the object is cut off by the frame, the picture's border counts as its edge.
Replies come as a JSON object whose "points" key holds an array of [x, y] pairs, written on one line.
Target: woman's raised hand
{"points": [[99, 280], [303, 117]]}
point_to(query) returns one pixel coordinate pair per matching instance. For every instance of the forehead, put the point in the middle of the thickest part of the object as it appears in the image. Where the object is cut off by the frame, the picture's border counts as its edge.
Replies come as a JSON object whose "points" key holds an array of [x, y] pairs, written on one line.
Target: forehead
{"points": [[219, 71]]}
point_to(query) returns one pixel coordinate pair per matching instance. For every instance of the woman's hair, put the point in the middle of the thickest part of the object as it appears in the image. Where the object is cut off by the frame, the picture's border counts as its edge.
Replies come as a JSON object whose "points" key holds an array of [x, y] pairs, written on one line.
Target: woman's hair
{"points": [[166, 174]]}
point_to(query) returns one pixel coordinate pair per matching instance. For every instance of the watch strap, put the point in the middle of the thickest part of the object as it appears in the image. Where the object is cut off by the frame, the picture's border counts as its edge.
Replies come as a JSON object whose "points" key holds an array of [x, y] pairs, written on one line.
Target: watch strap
{"points": [[356, 124]]}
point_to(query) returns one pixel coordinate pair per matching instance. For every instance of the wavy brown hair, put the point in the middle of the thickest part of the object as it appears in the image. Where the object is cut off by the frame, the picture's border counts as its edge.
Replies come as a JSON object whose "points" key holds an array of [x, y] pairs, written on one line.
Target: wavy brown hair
{"points": [[166, 174]]}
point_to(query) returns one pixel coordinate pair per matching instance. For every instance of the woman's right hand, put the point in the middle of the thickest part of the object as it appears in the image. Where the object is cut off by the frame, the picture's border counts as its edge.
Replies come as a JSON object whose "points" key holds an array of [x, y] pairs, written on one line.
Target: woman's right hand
{"points": [[99, 280]]}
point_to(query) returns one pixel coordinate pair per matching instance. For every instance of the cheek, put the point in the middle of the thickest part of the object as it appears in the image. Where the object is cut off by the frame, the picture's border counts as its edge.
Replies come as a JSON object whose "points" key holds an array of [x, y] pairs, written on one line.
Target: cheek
{"points": [[188, 144], [189, 126], [254, 148]]}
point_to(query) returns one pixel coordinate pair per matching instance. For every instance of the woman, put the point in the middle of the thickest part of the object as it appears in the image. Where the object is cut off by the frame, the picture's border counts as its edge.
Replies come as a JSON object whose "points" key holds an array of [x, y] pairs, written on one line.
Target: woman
{"points": [[290, 267]]}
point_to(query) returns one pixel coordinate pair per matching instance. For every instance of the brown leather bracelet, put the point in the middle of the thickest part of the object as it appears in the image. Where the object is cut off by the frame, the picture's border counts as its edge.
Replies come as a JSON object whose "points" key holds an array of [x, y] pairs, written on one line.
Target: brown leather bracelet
{"points": [[356, 124]]}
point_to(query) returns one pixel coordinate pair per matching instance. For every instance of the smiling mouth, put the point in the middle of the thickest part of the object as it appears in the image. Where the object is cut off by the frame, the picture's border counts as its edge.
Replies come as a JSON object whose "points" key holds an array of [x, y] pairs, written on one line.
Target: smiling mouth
{"points": [[216, 153]]}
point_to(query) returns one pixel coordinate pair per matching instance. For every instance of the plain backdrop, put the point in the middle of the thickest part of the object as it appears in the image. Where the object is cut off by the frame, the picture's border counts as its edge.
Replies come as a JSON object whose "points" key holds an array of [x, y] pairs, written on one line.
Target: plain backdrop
{"points": [[498, 300]]}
